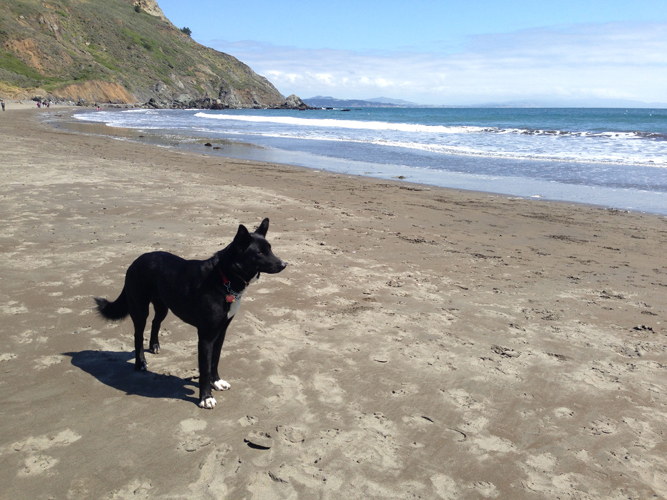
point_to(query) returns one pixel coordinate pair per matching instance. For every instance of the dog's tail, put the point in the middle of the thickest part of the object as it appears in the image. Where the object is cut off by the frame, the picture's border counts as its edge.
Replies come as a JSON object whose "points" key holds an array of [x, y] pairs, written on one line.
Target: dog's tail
{"points": [[113, 311]]}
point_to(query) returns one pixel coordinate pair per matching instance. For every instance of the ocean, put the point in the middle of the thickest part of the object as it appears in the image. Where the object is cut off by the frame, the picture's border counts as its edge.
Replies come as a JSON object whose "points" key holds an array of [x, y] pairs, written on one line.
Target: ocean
{"points": [[615, 158]]}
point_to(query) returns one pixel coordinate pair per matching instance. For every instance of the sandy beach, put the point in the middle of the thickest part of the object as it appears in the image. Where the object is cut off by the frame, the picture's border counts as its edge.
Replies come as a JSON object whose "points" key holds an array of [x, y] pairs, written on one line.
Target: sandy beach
{"points": [[423, 342]]}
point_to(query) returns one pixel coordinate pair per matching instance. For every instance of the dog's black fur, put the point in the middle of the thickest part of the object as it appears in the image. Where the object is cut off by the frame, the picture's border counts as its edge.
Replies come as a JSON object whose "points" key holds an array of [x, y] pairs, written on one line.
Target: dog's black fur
{"points": [[196, 292]]}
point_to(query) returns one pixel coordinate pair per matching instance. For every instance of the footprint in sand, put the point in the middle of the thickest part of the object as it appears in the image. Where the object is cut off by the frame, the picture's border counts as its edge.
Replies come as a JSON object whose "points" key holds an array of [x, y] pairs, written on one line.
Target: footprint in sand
{"points": [[247, 421], [137, 489], [545, 462], [291, 434], [193, 425], [645, 435], [37, 464], [463, 399], [47, 361], [490, 443], [563, 412], [603, 426], [291, 389], [41, 443], [328, 388], [215, 469], [445, 487], [271, 485], [190, 440], [194, 443], [486, 489]]}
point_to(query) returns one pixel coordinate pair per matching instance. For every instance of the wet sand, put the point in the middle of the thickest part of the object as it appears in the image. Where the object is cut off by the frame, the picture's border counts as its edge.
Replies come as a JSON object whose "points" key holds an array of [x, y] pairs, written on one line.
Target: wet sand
{"points": [[423, 342]]}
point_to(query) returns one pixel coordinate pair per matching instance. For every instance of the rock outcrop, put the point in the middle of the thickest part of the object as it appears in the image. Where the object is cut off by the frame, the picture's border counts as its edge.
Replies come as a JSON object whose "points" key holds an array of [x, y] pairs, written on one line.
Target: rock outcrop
{"points": [[295, 102], [227, 99], [150, 7], [120, 51]]}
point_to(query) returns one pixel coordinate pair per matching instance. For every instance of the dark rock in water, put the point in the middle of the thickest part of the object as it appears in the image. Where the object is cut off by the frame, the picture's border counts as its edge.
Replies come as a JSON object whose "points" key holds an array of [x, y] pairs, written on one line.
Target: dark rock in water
{"points": [[295, 102], [208, 145]]}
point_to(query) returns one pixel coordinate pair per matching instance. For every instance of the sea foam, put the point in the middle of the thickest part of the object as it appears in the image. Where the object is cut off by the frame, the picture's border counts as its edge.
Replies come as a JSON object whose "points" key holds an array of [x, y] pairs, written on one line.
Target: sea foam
{"points": [[347, 124]]}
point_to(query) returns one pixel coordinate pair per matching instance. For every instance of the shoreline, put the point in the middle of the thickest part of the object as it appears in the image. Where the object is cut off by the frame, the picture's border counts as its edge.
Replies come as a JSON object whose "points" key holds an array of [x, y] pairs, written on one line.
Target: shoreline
{"points": [[423, 341], [462, 175]]}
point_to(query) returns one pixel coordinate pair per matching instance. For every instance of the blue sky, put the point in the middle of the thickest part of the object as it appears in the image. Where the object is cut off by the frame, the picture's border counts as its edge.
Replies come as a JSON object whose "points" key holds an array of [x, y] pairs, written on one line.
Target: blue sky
{"points": [[443, 52]]}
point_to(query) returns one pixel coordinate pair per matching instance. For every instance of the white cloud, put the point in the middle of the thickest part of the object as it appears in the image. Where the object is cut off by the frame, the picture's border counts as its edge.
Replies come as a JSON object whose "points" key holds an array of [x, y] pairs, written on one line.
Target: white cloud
{"points": [[616, 60]]}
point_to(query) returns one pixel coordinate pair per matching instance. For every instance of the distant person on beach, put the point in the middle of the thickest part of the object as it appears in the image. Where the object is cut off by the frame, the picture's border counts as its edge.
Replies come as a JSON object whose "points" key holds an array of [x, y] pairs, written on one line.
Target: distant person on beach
{"points": [[2, 102]]}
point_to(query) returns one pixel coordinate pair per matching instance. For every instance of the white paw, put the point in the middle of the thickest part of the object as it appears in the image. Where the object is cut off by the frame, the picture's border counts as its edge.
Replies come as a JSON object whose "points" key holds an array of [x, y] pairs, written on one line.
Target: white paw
{"points": [[221, 385], [208, 403]]}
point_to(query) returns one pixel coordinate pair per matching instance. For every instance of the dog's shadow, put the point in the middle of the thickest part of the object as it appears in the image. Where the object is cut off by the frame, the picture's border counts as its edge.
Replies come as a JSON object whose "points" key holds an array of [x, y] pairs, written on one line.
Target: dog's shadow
{"points": [[112, 369]]}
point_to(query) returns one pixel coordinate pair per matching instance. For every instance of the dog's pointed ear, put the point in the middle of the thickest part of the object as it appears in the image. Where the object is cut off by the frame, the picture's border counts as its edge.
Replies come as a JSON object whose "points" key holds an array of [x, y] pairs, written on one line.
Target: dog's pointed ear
{"points": [[263, 227], [242, 239]]}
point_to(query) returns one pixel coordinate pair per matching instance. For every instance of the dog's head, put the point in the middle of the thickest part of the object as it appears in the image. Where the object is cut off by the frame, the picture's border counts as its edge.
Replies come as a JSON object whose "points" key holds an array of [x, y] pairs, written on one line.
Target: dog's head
{"points": [[253, 253]]}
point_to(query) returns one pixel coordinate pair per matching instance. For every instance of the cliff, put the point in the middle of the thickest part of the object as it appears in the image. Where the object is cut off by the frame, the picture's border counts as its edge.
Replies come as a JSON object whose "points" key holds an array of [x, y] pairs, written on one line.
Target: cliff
{"points": [[120, 51]]}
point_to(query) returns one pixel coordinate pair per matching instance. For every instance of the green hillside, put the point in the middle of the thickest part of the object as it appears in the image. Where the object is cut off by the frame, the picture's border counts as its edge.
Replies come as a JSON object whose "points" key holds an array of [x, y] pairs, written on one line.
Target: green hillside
{"points": [[118, 51]]}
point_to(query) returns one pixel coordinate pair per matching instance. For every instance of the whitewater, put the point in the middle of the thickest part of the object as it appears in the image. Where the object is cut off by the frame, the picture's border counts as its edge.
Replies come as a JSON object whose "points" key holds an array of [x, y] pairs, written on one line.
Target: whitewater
{"points": [[611, 157]]}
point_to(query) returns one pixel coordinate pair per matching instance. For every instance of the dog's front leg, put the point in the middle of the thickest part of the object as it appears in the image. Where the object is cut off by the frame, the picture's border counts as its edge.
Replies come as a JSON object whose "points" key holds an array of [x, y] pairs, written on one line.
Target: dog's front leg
{"points": [[217, 383], [205, 352]]}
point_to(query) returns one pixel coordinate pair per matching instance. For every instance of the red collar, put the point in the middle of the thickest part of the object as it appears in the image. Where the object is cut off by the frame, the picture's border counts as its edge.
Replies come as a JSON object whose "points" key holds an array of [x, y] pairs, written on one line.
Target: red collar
{"points": [[224, 278], [232, 295]]}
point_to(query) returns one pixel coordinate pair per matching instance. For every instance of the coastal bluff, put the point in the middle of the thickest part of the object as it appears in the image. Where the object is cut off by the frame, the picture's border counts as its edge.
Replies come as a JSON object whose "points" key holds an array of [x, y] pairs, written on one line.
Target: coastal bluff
{"points": [[120, 52]]}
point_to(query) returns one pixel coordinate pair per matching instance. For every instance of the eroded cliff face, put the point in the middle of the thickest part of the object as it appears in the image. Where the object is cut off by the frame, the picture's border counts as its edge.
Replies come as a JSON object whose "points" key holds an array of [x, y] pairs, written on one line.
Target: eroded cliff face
{"points": [[150, 7], [110, 52], [84, 93], [94, 92]]}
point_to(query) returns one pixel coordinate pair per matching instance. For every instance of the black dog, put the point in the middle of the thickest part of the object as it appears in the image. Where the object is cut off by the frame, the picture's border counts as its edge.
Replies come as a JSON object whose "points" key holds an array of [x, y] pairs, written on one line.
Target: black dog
{"points": [[204, 293]]}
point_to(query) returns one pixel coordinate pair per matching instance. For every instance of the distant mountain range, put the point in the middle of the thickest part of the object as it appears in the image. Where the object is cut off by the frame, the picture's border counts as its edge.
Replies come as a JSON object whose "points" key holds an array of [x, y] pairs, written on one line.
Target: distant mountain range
{"points": [[572, 103], [386, 102], [389, 100], [376, 102]]}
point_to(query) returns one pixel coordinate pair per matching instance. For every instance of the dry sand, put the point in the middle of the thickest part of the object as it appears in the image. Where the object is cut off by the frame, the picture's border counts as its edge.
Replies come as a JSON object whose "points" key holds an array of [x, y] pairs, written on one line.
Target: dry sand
{"points": [[423, 343]]}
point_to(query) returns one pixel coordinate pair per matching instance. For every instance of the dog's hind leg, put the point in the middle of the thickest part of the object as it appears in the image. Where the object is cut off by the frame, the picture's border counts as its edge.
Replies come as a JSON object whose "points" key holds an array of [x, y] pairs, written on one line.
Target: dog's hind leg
{"points": [[138, 292], [161, 311], [139, 319]]}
